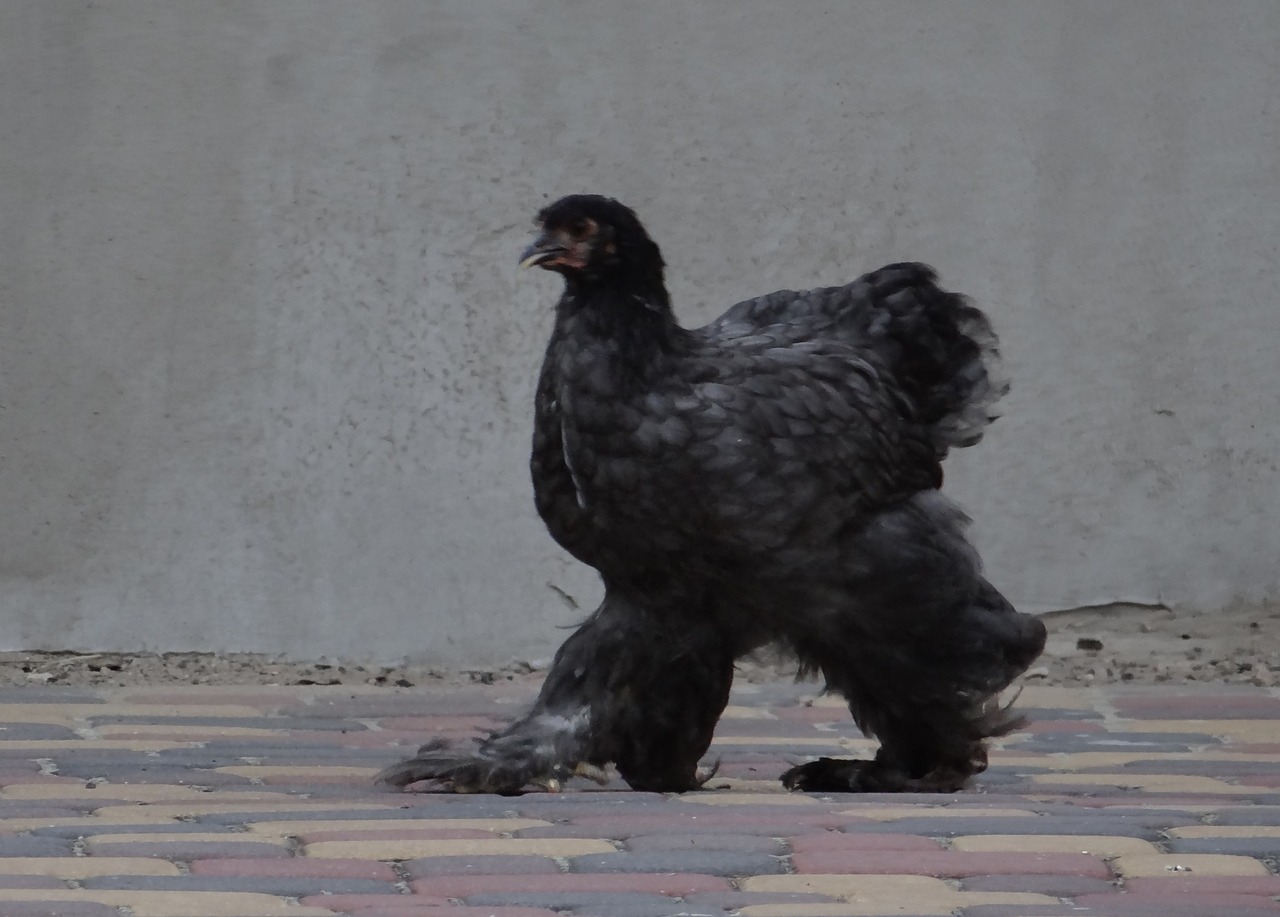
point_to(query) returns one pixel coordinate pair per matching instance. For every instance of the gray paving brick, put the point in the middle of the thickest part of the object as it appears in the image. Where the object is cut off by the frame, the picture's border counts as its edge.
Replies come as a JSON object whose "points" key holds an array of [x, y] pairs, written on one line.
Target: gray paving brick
{"points": [[154, 774], [31, 882], [620, 829], [37, 694], [591, 802], [1112, 741], [26, 845], [952, 826], [689, 842], [44, 810], [271, 885], [189, 850], [1239, 846], [1155, 818], [72, 832], [1035, 910], [708, 862], [1206, 767], [1040, 714], [430, 867], [735, 900], [290, 723], [317, 814], [1248, 815], [58, 909], [597, 904], [15, 731], [230, 752]]}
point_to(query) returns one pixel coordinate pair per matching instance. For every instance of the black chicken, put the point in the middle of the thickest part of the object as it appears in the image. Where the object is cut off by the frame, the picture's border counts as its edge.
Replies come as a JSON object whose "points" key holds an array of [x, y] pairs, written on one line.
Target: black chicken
{"points": [[770, 478]]}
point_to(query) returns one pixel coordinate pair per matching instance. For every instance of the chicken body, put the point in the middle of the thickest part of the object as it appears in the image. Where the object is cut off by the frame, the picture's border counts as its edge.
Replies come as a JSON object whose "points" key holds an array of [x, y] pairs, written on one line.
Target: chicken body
{"points": [[770, 478]]}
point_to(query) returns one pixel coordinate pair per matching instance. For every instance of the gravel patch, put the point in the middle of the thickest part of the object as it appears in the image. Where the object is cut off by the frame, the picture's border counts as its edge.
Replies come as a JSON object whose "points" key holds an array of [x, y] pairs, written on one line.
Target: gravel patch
{"points": [[1106, 645]]}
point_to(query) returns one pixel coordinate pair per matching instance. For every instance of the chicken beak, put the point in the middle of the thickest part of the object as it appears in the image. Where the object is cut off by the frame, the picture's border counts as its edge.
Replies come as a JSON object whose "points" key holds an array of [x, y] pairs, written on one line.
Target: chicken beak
{"points": [[543, 249]]}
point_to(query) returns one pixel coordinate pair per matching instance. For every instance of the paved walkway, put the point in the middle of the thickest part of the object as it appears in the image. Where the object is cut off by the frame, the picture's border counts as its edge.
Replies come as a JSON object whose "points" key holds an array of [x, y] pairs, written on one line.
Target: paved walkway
{"points": [[256, 802]]}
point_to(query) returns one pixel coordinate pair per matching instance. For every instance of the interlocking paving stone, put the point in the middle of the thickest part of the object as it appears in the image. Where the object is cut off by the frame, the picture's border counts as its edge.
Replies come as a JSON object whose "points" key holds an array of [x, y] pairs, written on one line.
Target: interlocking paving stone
{"points": [[1157, 864], [477, 866], [672, 884], [26, 880], [25, 845], [366, 906], [1267, 886], [710, 862], [183, 846], [61, 909], [949, 864], [271, 885], [1065, 824], [1057, 886], [257, 802], [164, 904], [596, 904], [1179, 905], [1231, 846], [650, 843]]}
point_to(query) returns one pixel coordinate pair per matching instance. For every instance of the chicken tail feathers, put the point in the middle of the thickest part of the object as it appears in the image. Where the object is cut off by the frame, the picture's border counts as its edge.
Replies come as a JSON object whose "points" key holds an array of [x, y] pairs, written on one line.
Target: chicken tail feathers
{"points": [[943, 351]]}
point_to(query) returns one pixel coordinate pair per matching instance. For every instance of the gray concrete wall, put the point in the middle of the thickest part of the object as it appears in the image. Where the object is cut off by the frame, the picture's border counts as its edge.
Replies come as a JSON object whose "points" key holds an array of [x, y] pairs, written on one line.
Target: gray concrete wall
{"points": [[266, 359]]}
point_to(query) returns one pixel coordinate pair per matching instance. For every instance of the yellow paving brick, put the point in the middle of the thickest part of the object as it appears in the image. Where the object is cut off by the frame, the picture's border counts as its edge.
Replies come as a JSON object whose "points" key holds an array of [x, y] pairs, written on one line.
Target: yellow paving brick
{"points": [[893, 813], [139, 792], [1225, 831], [1187, 864], [876, 895], [86, 867], [1152, 783], [295, 828], [182, 837], [502, 846], [259, 771], [172, 904], [1104, 845], [730, 798], [737, 712], [1263, 731]]}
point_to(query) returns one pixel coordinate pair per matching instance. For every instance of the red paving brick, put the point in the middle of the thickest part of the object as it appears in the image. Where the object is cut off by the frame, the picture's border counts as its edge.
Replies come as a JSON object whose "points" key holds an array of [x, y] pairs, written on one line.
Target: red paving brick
{"points": [[1205, 885]]}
